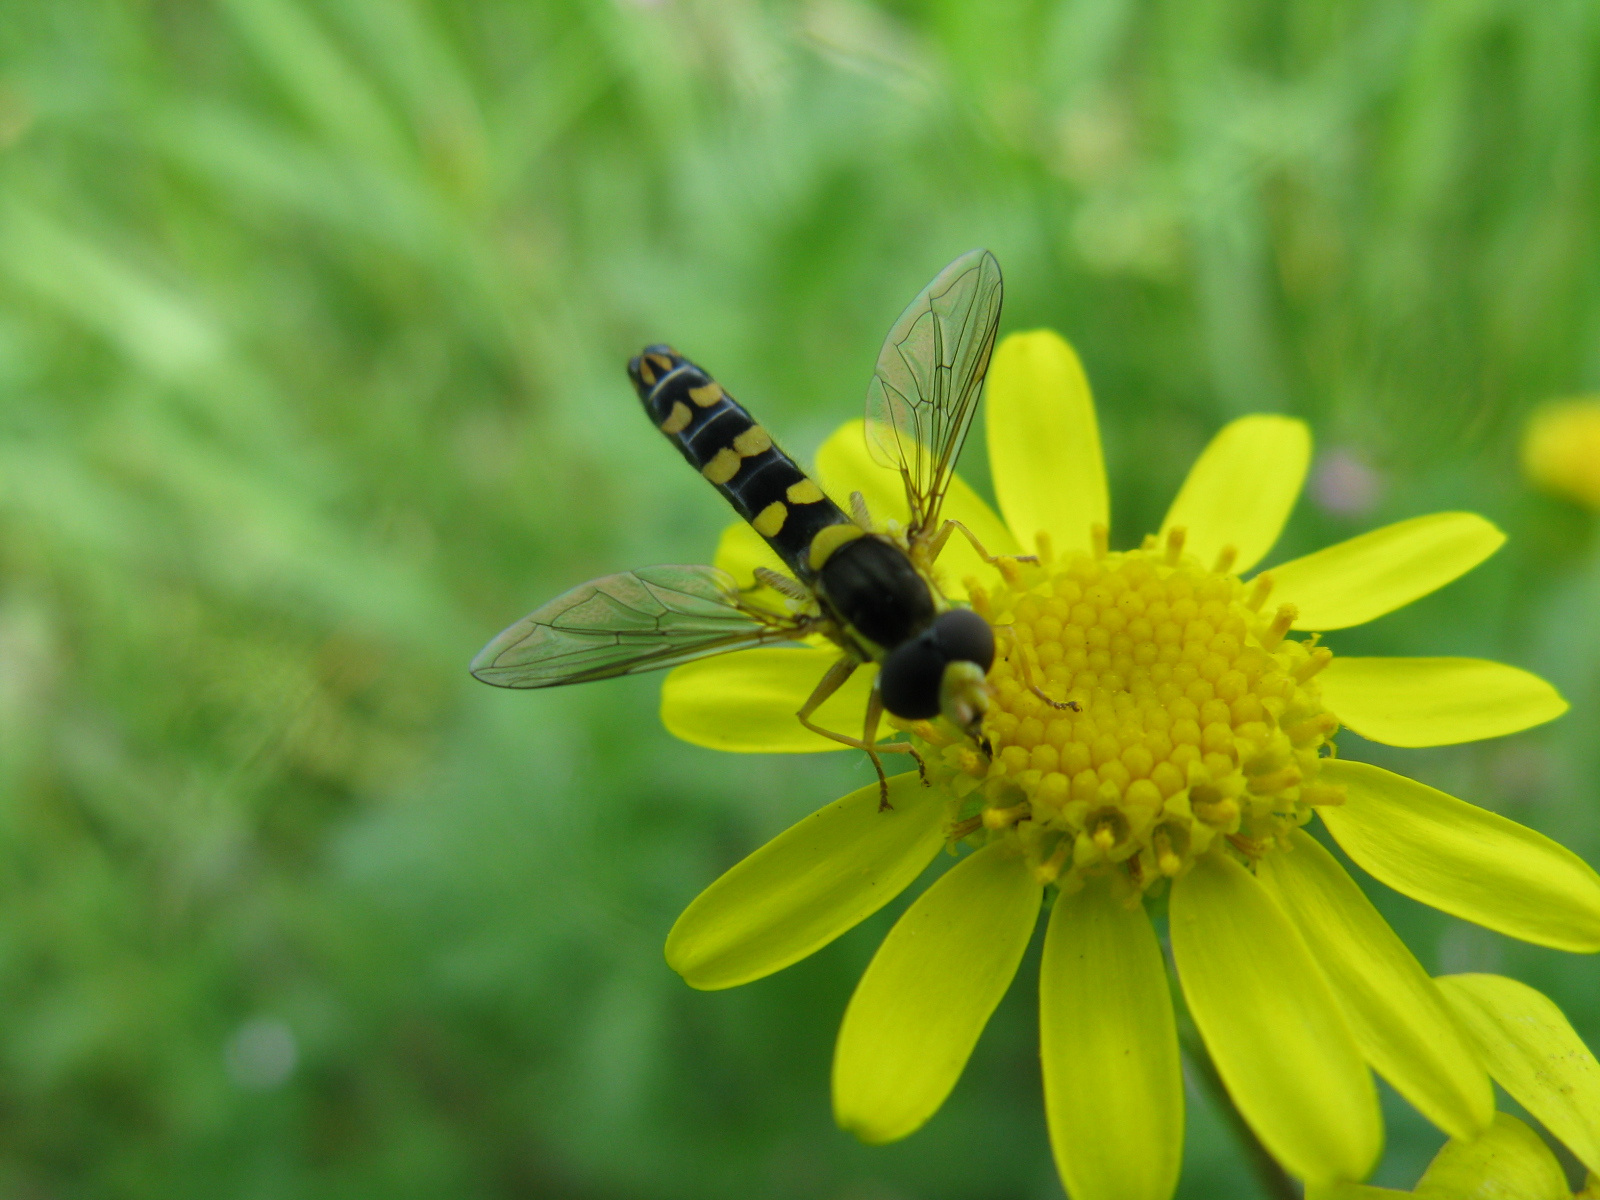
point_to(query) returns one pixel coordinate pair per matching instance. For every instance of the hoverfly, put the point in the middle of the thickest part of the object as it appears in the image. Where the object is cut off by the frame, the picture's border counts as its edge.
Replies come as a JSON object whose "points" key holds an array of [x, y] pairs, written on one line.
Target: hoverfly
{"points": [[870, 591]]}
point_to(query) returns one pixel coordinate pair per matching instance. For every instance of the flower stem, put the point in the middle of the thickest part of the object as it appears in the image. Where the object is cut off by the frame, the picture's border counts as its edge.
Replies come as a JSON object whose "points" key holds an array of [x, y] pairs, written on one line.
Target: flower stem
{"points": [[1274, 1180]]}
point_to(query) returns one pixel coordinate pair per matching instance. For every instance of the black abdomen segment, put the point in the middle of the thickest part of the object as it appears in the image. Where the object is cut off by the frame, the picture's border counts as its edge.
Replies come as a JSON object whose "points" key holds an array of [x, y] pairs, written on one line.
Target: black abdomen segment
{"points": [[724, 443]]}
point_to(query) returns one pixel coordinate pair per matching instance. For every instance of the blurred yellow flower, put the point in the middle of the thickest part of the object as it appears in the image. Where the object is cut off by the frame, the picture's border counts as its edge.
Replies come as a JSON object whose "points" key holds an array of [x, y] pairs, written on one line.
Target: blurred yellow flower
{"points": [[1561, 449], [1198, 747]]}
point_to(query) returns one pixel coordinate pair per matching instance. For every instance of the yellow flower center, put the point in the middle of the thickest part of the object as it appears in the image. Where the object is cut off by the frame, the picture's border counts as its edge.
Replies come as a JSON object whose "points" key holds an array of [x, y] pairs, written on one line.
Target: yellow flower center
{"points": [[1146, 711]]}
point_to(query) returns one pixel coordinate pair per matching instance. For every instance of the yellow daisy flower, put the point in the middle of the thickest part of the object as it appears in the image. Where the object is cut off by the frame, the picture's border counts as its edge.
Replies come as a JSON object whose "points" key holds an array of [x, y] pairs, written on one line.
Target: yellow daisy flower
{"points": [[1534, 1054], [1154, 730]]}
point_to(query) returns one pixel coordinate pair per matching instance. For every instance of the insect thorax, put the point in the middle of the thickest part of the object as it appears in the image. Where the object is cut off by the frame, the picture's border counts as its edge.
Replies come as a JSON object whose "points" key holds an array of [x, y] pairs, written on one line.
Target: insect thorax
{"points": [[873, 588]]}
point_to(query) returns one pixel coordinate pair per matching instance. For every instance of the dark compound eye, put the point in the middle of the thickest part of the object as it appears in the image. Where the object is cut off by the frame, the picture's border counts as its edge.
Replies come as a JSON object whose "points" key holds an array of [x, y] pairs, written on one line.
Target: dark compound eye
{"points": [[910, 677], [964, 636]]}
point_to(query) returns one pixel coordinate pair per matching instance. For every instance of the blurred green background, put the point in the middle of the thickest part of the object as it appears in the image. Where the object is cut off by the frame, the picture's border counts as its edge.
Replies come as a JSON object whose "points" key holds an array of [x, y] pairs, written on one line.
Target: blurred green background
{"points": [[313, 315]]}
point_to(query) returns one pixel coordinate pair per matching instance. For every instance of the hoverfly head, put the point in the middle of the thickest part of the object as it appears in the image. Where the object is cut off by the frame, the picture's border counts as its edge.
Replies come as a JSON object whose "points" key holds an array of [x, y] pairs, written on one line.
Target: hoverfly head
{"points": [[967, 643], [942, 671]]}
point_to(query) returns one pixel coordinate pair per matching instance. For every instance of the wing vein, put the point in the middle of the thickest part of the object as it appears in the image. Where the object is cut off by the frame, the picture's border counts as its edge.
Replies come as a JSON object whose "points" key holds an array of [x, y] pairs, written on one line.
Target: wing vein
{"points": [[623, 624], [929, 379]]}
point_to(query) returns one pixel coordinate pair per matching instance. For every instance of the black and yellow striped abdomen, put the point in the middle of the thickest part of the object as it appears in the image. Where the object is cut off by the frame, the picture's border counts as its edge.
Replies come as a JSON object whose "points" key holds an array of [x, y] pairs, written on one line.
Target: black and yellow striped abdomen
{"points": [[737, 455]]}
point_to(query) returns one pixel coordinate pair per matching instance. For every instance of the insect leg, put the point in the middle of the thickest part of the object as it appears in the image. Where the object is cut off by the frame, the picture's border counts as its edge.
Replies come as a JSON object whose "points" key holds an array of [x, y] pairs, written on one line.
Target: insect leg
{"points": [[937, 543], [858, 510], [869, 735], [827, 686], [1025, 665], [781, 584]]}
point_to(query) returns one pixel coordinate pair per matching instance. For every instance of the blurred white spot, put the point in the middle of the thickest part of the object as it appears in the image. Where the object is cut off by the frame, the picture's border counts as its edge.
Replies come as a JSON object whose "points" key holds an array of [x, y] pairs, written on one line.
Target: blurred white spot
{"points": [[1520, 772], [1344, 483], [262, 1054], [1464, 947]]}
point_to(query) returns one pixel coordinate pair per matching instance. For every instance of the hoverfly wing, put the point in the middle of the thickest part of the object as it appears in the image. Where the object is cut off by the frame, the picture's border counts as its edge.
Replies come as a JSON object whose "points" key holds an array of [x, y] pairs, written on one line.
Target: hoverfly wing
{"points": [[929, 375], [643, 620]]}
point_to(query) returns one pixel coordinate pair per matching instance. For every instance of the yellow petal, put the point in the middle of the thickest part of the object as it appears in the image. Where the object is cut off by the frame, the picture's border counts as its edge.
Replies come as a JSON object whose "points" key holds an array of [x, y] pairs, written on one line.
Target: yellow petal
{"points": [[1113, 1090], [1241, 490], [808, 885], [1361, 579], [1044, 442], [746, 702], [1436, 701], [1536, 1055], [741, 550], [918, 1010], [844, 466], [1350, 1191], [1397, 1016], [1509, 1162], [1272, 1025], [1463, 859]]}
